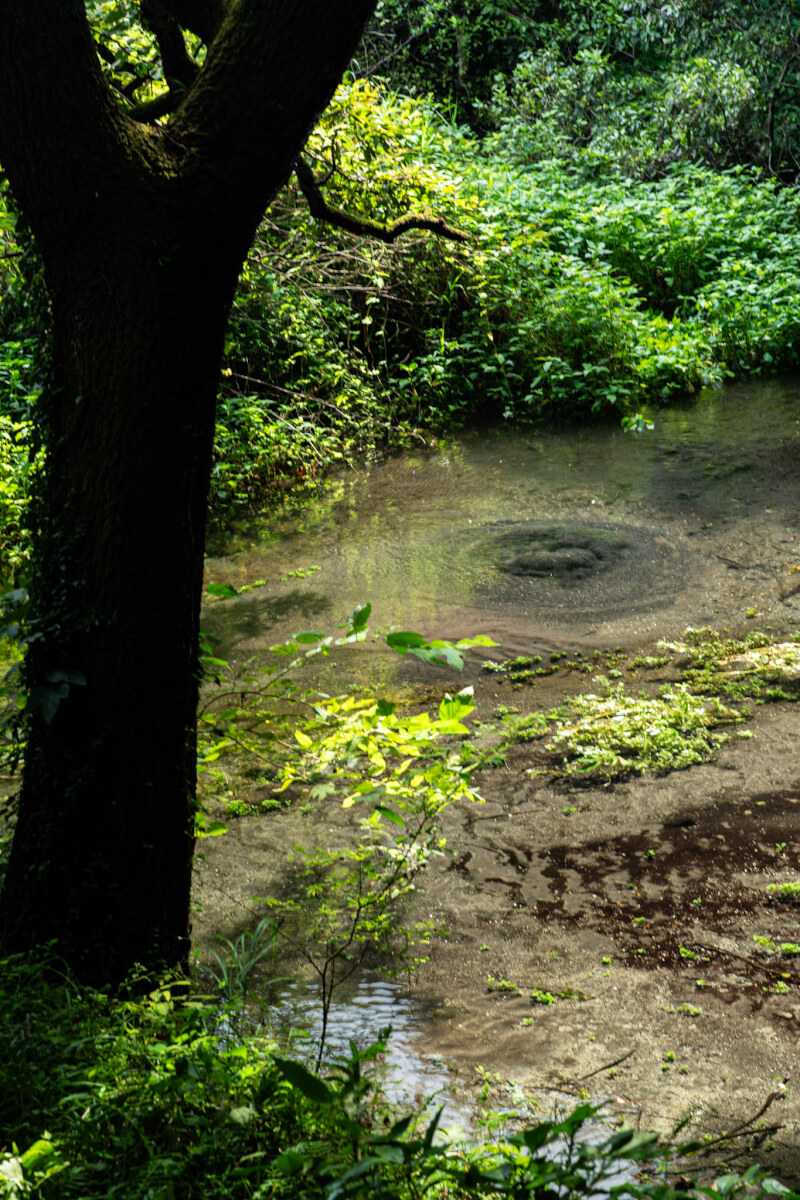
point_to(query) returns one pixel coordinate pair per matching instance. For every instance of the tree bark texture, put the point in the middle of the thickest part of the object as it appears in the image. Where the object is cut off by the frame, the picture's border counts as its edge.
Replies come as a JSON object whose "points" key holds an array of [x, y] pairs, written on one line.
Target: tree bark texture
{"points": [[143, 232]]}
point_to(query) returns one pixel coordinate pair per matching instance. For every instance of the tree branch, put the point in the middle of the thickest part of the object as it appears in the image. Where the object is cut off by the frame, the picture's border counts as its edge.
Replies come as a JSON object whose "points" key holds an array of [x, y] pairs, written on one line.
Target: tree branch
{"points": [[160, 106], [201, 17], [322, 211], [268, 74], [65, 140], [179, 66]]}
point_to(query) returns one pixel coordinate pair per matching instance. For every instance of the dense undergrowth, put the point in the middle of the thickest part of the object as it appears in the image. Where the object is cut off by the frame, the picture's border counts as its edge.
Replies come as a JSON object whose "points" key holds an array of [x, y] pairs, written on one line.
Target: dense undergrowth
{"points": [[169, 1095], [183, 1091], [630, 237], [572, 299]]}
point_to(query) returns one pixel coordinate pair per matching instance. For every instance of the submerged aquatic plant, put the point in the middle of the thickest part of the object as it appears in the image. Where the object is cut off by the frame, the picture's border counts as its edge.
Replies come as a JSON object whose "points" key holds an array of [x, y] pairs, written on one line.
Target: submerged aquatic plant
{"points": [[618, 733], [757, 666]]}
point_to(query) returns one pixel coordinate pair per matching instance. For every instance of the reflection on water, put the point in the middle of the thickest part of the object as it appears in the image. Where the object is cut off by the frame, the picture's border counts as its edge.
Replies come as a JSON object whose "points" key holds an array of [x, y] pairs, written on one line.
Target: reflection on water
{"points": [[411, 1079], [415, 535]]}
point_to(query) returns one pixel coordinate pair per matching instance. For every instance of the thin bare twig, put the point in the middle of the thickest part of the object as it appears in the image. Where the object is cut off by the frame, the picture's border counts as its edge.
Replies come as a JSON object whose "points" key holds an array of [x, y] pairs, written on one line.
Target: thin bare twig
{"points": [[744, 1126], [607, 1066], [751, 962]]}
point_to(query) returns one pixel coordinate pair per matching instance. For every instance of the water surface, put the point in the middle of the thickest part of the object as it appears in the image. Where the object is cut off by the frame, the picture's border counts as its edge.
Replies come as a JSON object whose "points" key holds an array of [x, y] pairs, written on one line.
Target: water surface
{"points": [[703, 508]]}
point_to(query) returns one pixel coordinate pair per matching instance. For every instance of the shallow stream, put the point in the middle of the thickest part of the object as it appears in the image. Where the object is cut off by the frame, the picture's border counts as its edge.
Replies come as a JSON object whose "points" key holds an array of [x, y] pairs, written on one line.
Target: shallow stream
{"points": [[588, 534], [575, 539]]}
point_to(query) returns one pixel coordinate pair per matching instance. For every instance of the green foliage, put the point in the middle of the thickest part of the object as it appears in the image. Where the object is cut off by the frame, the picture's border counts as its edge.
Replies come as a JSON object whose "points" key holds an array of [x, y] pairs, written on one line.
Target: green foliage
{"points": [[572, 296], [621, 86], [262, 710], [585, 110], [394, 774], [148, 1098], [13, 611], [397, 778], [237, 959], [17, 458], [618, 733], [134, 1098], [128, 50], [782, 949], [758, 666], [789, 890], [450, 48], [633, 89], [576, 294]]}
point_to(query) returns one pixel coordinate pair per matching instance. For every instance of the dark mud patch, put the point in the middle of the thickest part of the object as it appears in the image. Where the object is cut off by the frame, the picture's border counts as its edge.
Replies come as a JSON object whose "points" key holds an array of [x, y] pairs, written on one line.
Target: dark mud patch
{"points": [[639, 886], [635, 907]]}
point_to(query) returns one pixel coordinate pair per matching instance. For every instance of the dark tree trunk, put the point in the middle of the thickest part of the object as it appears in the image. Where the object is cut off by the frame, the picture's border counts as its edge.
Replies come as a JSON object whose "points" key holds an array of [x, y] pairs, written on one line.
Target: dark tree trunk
{"points": [[101, 859], [143, 233]]}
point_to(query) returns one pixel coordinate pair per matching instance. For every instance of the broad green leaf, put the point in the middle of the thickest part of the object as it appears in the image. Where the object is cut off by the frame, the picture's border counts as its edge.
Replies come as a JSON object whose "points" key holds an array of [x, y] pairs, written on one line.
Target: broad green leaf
{"points": [[222, 589], [440, 652], [284, 648], [357, 621], [35, 1155], [289, 1163], [402, 642], [307, 636], [630, 1144], [456, 708], [47, 697], [398, 1129], [389, 814], [202, 828], [393, 1154], [774, 1187], [311, 1086]]}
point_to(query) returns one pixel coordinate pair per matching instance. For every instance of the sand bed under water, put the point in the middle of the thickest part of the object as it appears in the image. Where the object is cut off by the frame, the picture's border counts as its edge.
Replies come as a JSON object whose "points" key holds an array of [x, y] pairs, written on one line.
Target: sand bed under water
{"points": [[633, 905]]}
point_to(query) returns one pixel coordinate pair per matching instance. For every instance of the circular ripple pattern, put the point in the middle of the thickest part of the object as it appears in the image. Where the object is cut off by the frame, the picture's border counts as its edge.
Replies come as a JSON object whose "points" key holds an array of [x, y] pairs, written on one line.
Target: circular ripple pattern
{"points": [[560, 551], [575, 568]]}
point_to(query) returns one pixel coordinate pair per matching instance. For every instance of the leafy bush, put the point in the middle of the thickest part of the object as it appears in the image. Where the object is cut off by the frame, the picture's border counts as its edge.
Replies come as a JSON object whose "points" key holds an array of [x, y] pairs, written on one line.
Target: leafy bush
{"points": [[149, 1097], [578, 291], [569, 297], [133, 1098], [17, 460], [587, 112], [634, 86]]}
